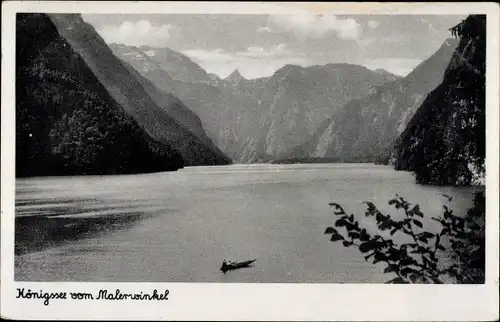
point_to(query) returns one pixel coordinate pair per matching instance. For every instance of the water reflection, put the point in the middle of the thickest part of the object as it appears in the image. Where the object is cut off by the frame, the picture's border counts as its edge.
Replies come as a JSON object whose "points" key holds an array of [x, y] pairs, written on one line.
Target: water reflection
{"points": [[44, 227]]}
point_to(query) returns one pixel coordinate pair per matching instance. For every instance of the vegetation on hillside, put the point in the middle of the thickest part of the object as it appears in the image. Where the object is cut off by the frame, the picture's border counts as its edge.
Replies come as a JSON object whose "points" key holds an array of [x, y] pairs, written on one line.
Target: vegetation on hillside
{"points": [[158, 114], [66, 122], [444, 143]]}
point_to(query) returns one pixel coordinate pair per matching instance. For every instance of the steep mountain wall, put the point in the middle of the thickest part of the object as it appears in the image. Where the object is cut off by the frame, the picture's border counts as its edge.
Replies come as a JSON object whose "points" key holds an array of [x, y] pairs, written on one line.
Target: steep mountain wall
{"points": [[66, 121], [367, 127], [131, 95], [444, 143], [260, 119]]}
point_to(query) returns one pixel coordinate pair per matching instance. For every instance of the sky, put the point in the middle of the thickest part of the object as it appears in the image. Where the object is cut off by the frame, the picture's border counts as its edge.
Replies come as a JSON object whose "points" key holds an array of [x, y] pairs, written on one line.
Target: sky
{"points": [[258, 45]]}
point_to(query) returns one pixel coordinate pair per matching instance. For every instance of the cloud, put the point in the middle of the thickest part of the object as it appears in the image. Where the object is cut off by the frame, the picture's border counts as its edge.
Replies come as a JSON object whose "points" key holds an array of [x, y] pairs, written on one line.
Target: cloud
{"points": [[253, 62], [309, 25], [373, 24], [253, 52], [263, 29], [136, 34], [398, 66], [424, 21], [214, 55], [259, 52]]}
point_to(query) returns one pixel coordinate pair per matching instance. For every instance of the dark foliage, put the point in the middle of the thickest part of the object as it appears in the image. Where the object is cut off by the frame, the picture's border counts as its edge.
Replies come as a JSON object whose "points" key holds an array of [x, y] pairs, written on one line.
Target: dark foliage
{"points": [[156, 113], [444, 143], [66, 122], [455, 254]]}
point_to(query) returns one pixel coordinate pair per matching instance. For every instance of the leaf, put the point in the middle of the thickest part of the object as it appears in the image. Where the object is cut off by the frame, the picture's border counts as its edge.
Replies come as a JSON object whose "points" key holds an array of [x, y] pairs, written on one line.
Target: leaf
{"points": [[472, 225], [445, 231], [397, 280], [438, 220], [390, 268], [416, 211], [368, 256], [380, 256], [340, 223], [393, 231], [336, 237], [413, 277], [366, 247], [346, 243], [436, 280], [427, 235], [408, 270], [438, 240], [370, 205], [364, 236], [446, 196], [424, 250], [338, 209], [331, 230], [393, 201], [354, 235], [418, 223], [423, 239]]}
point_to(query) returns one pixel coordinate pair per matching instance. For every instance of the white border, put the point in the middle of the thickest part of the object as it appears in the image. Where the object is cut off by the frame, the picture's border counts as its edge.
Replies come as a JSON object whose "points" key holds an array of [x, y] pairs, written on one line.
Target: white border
{"points": [[212, 301]]}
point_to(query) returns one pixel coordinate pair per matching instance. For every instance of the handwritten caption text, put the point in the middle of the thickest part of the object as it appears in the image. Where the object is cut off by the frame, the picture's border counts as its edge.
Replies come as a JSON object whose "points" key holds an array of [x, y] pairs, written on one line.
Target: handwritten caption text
{"points": [[101, 295]]}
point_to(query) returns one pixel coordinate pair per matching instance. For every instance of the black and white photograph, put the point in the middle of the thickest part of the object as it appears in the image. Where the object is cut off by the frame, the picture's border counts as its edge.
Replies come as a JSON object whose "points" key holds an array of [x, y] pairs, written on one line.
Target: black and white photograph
{"points": [[317, 148]]}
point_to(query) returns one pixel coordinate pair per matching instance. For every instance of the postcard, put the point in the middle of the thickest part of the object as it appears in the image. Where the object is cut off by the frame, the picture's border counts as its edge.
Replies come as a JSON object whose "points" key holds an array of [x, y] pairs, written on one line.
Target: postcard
{"points": [[250, 161]]}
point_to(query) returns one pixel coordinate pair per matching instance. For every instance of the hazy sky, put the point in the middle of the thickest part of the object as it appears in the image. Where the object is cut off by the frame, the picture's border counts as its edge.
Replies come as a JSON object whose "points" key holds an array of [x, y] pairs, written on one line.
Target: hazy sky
{"points": [[258, 45]]}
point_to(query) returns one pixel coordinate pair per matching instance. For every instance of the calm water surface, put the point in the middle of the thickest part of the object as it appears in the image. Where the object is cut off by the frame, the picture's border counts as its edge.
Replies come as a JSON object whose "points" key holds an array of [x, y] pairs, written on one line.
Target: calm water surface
{"points": [[178, 226]]}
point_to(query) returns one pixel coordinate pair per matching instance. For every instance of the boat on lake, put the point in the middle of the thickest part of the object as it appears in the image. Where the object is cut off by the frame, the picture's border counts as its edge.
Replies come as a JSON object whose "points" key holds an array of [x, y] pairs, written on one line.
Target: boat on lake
{"points": [[235, 265]]}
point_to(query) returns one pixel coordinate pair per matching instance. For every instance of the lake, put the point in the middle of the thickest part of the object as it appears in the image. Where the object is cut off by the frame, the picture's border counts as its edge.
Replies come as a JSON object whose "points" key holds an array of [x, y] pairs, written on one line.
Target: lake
{"points": [[179, 226]]}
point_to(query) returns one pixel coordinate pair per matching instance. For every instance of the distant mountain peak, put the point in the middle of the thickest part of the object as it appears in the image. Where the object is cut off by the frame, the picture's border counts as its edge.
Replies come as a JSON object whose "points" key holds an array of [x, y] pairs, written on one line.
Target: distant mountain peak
{"points": [[235, 76], [213, 76], [381, 71], [390, 76], [177, 65], [288, 68]]}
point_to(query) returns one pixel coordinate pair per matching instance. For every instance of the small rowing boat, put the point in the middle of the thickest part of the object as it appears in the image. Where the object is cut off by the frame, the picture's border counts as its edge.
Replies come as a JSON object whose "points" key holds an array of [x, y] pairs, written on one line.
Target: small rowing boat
{"points": [[235, 265]]}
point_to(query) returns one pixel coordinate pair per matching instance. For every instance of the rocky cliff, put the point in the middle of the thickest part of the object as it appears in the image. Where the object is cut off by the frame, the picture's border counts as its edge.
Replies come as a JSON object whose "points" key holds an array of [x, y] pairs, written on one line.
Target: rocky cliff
{"points": [[444, 143], [161, 120], [366, 128], [259, 119], [66, 121]]}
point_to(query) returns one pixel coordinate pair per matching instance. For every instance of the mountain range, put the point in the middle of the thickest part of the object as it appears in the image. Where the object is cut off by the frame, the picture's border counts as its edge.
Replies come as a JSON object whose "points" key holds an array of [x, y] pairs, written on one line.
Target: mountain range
{"points": [[180, 115], [365, 128], [265, 118]]}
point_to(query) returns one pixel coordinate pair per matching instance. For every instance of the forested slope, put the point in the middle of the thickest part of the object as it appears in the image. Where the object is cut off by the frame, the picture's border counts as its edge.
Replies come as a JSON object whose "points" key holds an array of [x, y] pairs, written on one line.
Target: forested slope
{"points": [[444, 143], [66, 121]]}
